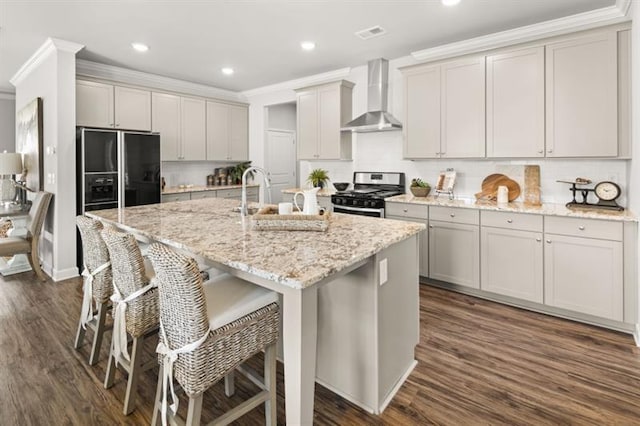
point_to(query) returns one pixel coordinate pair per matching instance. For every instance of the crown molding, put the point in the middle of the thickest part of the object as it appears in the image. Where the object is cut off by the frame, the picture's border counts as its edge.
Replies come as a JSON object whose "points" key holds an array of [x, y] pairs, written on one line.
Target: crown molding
{"points": [[49, 46], [7, 96], [312, 80], [568, 24], [138, 78]]}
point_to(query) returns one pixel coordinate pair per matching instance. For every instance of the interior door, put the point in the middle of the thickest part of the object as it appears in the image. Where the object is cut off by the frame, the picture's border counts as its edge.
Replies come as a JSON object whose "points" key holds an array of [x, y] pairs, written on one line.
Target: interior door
{"points": [[281, 161]]}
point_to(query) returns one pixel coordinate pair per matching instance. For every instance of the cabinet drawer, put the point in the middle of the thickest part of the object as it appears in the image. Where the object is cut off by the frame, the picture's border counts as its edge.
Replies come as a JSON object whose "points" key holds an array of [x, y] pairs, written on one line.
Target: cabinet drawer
{"points": [[183, 196], [203, 194], [588, 228], [407, 210], [230, 193], [455, 215], [522, 222]]}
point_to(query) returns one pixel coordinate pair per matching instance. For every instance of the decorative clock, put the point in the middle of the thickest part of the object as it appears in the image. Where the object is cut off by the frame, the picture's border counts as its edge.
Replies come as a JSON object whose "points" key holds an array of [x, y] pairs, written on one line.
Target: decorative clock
{"points": [[606, 192]]}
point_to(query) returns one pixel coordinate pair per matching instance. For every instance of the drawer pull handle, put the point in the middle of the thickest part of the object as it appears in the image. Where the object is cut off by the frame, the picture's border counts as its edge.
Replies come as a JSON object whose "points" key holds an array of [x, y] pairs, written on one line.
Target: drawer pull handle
{"points": [[452, 215], [548, 241], [538, 239], [581, 227], [509, 221], [405, 210]]}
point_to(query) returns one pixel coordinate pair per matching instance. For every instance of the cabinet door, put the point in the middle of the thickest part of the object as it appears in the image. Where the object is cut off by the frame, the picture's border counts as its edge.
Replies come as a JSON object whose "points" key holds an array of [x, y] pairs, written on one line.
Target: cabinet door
{"points": [[463, 109], [94, 104], [582, 101], [329, 123], [584, 275], [308, 125], [512, 263], [193, 129], [454, 253], [166, 121], [217, 131], [423, 244], [422, 113], [132, 109], [515, 104], [239, 130]]}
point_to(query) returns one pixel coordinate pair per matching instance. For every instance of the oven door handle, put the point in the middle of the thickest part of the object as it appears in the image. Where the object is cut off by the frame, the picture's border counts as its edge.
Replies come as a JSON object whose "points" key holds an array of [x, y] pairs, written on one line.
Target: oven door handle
{"points": [[356, 209]]}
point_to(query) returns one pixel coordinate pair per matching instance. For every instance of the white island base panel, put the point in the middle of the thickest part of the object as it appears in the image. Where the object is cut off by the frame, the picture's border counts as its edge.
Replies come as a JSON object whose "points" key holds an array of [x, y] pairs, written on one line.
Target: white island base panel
{"points": [[368, 328]]}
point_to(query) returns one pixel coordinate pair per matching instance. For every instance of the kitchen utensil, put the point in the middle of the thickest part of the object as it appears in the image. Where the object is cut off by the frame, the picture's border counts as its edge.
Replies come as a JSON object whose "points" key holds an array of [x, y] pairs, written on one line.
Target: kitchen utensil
{"points": [[310, 201], [491, 183], [341, 186], [532, 185]]}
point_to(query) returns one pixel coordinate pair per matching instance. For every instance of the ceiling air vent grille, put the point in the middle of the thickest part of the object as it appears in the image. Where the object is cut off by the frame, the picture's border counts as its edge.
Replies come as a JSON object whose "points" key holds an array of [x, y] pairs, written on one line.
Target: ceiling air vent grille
{"points": [[371, 32]]}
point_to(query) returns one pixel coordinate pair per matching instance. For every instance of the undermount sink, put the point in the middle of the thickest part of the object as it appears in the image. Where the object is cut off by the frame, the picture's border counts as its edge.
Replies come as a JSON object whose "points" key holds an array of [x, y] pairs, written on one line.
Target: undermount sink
{"points": [[250, 210]]}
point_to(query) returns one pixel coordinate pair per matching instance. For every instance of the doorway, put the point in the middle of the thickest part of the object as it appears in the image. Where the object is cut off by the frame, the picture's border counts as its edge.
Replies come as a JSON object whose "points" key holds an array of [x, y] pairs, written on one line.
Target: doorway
{"points": [[280, 149]]}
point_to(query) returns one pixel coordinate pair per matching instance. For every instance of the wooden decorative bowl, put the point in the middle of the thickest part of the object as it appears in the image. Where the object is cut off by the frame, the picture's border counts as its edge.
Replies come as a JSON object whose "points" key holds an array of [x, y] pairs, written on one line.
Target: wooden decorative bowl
{"points": [[418, 191]]}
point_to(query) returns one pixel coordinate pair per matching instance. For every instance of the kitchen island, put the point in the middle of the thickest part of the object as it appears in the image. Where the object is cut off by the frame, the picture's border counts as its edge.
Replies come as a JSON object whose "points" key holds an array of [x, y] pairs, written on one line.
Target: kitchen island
{"points": [[350, 294]]}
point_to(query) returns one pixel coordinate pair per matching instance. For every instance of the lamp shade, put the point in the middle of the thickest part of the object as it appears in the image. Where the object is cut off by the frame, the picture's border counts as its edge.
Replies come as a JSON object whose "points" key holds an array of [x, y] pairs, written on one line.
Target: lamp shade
{"points": [[10, 163]]}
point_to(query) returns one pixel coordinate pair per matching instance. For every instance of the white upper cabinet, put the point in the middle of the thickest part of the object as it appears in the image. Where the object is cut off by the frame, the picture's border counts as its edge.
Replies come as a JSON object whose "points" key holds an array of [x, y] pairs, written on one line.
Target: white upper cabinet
{"points": [[515, 103], [94, 104], [582, 96], [166, 121], [445, 110], [105, 105], [132, 109], [463, 109], [322, 111], [422, 112], [193, 129], [227, 132]]}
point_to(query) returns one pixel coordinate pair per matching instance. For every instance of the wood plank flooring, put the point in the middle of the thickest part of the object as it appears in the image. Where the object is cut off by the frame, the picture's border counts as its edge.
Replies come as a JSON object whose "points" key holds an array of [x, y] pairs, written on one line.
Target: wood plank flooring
{"points": [[478, 363]]}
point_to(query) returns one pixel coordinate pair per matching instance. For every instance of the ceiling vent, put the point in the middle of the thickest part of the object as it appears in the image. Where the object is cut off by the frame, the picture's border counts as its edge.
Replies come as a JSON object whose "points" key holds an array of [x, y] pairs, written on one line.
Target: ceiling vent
{"points": [[371, 32]]}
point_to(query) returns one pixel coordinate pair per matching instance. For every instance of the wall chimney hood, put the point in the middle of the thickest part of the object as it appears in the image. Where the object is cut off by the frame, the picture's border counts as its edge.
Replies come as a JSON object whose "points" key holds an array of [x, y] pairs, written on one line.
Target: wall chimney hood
{"points": [[377, 119]]}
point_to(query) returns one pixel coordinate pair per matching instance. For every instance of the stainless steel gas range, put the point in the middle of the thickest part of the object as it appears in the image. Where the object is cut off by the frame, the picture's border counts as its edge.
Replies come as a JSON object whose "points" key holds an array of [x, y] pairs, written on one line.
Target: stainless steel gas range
{"points": [[368, 193]]}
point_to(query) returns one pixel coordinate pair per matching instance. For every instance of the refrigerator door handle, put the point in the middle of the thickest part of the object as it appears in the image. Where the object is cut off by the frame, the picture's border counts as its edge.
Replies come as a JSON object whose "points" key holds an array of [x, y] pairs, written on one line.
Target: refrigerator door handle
{"points": [[121, 171]]}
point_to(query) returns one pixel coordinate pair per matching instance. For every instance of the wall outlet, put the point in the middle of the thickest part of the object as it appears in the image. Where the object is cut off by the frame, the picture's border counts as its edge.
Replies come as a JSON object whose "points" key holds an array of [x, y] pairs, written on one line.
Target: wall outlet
{"points": [[384, 274]]}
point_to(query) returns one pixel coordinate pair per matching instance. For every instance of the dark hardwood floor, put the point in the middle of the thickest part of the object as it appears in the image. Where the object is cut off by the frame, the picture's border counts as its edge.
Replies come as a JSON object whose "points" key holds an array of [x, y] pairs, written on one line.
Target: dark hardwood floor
{"points": [[478, 363]]}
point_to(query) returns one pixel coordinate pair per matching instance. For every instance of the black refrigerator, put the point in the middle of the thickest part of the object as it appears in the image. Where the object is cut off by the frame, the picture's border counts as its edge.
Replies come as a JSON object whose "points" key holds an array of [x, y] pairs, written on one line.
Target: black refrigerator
{"points": [[116, 169]]}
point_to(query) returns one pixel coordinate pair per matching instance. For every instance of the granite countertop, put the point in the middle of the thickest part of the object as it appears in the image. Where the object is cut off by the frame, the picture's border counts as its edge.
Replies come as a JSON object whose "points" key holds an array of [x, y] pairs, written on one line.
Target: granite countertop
{"points": [[298, 259], [325, 192], [199, 188], [550, 209]]}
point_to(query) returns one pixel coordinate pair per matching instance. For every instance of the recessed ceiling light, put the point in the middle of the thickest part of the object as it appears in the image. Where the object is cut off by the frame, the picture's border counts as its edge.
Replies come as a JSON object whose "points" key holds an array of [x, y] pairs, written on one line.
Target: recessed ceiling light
{"points": [[450, 2], [227, 71], [308, 45], [140, 47]]}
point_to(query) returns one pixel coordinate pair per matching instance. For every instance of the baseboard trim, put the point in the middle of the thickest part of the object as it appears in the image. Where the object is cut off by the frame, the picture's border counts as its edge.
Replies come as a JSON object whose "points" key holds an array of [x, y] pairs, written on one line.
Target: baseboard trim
{"points": [[64, 274]]}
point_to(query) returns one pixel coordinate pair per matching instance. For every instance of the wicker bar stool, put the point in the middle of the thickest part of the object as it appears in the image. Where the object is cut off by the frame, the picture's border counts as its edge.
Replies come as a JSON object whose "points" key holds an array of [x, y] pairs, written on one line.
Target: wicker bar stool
{"points": [[206, 332], [97, 286], [135, 311]]}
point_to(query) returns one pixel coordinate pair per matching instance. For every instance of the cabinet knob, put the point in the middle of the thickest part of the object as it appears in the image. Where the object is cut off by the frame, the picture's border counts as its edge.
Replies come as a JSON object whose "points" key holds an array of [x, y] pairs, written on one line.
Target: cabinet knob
{"points": [[541, 151], [405, 210], [548, 241], [550, 151], [112, 125], [538, 239], [509, 221], [431, 226], [452, 215], [581, 227], [117, 125]]}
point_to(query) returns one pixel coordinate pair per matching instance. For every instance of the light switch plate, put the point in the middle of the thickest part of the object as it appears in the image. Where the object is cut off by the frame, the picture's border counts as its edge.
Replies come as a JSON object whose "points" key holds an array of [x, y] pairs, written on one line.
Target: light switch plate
{"points": [[384, 276]]}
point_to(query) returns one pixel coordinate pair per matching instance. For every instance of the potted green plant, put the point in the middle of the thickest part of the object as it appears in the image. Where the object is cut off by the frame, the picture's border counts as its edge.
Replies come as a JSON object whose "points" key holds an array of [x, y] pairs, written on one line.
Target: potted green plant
{"points": [[236, 172], [318, 177], [419, 188]]}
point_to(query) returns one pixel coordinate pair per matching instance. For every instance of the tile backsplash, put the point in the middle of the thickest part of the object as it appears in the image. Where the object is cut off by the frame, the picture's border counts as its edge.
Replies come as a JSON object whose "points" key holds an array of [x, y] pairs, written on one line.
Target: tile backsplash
{"points": [[383, 152]]}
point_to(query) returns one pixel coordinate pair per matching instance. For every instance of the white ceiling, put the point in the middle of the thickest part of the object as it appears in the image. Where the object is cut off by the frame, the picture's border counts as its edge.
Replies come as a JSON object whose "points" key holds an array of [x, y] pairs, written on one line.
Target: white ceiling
{"points": [[192, 40]]}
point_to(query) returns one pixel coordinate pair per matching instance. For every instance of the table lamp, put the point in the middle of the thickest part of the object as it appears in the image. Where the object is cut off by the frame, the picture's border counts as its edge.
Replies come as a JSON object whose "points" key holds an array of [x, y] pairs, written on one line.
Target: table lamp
{"points": [[10, 165]]}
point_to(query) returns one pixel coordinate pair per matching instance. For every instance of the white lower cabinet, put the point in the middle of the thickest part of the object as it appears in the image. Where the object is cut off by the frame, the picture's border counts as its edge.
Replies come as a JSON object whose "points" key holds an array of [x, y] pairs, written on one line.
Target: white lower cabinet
{"points": [[454, 253], [512, 263], [181, 196], [584, 275], [413, 213]]}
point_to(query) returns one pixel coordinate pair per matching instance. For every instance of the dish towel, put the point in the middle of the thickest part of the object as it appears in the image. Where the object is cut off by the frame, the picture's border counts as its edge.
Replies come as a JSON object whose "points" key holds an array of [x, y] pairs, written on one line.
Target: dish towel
{"points": [[169, 356], [86, 314], [120, 319]]}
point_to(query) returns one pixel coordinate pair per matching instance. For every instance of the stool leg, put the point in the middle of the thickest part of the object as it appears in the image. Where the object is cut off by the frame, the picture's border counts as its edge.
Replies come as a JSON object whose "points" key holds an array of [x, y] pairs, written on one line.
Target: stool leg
{"points": [[230, 383], [134, 375], [79, 335], [111, 368], [270, 407], [195, 410], [158, 404], [99, 333]]}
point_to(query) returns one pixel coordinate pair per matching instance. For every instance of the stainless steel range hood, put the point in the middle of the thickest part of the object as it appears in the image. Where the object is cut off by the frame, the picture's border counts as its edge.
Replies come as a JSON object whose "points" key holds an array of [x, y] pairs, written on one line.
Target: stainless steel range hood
{"points": [[377, 119]]}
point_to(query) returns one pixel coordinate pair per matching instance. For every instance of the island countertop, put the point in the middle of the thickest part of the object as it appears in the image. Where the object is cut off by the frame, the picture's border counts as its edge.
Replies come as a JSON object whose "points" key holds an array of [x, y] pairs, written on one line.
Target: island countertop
{"points": [[298, 259]]}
